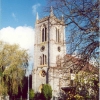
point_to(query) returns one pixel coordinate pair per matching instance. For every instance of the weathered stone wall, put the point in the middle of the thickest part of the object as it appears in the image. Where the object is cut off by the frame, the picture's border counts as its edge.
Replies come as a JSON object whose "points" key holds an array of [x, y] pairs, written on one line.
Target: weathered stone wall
{"points": [[52, 53], [57, 79]]}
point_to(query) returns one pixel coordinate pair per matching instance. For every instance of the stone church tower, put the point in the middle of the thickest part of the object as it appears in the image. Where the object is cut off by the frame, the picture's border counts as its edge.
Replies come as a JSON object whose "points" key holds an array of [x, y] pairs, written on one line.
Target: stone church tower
{"points": [[48, 48]]}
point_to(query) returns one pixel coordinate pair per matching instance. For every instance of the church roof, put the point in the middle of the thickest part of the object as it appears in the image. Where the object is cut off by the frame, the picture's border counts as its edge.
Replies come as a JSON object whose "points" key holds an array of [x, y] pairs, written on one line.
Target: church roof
{"points": [[84, 65], [78, 64]]}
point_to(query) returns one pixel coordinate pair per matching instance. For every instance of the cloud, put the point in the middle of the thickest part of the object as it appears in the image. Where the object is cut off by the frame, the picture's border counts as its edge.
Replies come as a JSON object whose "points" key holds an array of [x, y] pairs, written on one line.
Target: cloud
{"points": [[22, 35], [35, 7], [14, 16]]}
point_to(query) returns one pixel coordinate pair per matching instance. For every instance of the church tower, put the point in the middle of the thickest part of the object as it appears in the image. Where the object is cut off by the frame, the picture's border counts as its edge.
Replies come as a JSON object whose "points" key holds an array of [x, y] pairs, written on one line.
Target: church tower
{"points": [[49, 46]]}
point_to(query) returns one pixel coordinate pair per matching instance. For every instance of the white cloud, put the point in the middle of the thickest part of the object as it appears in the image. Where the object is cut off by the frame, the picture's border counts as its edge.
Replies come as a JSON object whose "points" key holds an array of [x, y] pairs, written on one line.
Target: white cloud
{"points": [[35, 7], [14, 16], [22, 35]]}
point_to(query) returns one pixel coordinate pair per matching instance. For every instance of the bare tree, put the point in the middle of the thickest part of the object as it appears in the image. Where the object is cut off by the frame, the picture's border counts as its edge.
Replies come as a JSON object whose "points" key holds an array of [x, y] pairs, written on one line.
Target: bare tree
{"points": [[81, 18]]}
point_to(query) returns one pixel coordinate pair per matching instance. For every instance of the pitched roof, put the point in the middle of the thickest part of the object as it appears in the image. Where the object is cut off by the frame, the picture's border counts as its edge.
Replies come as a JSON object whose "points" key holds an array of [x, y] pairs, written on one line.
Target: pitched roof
{"points": [[81, 63]]}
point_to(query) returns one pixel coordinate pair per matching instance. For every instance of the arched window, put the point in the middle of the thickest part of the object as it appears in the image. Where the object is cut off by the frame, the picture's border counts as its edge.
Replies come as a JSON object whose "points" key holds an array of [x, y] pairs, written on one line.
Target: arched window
{"points": [[44, 34], [57, 35], [45, 59], [40, 60]]}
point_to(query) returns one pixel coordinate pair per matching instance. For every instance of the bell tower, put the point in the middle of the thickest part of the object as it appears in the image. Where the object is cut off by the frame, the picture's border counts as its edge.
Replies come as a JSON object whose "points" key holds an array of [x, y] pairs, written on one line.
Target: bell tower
{"points": [[49, 46]]}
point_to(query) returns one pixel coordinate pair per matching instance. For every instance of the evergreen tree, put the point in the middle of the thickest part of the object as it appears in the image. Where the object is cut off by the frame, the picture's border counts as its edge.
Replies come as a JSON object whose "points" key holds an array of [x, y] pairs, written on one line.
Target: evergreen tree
{"points": [[47, 91]]}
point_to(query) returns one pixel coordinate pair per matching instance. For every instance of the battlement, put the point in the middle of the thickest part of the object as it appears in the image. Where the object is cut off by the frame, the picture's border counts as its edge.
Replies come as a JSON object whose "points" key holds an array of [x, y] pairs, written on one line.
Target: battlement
{"points": [[47, 18]]}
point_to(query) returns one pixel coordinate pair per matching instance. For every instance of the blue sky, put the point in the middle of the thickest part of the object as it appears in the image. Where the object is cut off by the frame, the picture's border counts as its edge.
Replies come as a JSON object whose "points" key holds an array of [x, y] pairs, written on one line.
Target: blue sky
{"points": [[17, 20], [20, 12]]}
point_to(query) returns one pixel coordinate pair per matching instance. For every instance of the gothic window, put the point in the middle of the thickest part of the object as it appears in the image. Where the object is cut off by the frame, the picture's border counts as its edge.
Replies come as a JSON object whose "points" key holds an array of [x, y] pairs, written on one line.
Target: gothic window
{"points": [[44, 34], [57, 35], [43, 59], [40, 60]]}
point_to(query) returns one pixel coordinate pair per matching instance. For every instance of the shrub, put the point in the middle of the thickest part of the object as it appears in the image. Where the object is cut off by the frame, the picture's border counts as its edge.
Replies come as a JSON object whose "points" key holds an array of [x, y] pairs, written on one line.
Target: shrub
{"points": [[47, 91], [31, 94]]}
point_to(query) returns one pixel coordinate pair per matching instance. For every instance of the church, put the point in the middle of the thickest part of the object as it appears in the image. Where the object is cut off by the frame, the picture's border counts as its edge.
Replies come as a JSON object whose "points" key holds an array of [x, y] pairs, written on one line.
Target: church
{"points": [[49, 47], [51, 63]]}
